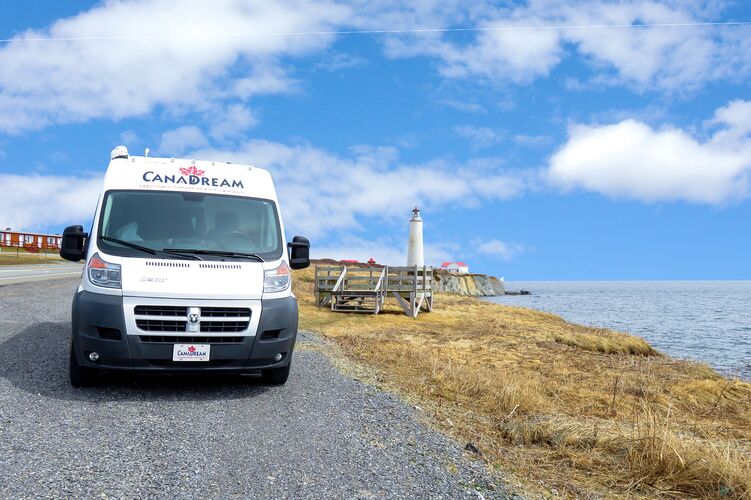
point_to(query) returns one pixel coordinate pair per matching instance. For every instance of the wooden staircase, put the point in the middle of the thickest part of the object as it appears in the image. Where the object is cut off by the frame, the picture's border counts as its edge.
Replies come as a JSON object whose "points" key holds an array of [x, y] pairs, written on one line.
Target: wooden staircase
{"points": [[364, 289], [358, 293], [356, 302]]}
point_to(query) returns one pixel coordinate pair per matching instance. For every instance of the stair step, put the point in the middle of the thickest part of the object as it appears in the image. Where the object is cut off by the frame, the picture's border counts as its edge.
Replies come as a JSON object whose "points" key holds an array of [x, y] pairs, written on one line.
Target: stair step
{"points": [[355, 294]]}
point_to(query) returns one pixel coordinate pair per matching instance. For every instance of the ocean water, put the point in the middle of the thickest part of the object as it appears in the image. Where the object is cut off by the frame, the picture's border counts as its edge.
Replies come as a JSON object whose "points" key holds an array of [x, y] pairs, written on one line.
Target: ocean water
{"points": [[707, 321]]}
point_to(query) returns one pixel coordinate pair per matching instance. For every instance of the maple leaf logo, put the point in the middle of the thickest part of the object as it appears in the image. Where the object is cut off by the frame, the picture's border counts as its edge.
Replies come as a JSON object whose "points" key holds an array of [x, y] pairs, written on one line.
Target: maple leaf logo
{"points": [[192, 170], [192, 348]]}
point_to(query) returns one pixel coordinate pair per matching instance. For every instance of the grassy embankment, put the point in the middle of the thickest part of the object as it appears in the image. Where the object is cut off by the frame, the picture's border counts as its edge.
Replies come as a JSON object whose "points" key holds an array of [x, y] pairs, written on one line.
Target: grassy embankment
{"points": [[559, 407], [10, 257]]}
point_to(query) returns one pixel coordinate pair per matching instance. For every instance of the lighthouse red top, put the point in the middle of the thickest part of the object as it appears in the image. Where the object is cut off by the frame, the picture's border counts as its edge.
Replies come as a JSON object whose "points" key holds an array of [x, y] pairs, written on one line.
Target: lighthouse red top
{"points": [[415, 210]]}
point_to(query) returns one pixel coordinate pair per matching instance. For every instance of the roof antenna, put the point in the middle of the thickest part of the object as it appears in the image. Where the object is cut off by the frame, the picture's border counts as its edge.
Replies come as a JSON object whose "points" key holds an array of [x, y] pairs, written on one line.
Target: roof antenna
{"points": [[146, 153]]}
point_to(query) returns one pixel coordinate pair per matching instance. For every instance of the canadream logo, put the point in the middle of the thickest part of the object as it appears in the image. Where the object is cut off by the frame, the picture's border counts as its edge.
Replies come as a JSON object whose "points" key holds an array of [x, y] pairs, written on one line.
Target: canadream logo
{"points": [[191, 351], [193, 177]]}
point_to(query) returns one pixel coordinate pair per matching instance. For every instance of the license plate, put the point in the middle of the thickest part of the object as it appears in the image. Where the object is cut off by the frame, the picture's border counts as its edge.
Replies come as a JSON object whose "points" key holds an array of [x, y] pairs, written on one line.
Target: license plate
{"points": [[191, 352]]}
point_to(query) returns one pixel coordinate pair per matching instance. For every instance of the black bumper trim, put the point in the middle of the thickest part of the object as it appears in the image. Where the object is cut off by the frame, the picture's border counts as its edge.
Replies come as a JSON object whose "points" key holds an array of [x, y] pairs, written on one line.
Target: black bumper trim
{"points": [[94, 312]]}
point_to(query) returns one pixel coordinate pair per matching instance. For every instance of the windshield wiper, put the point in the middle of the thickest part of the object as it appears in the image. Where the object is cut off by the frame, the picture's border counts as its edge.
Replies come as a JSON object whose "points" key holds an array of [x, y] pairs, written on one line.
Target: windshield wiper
{"points": [[129, 244], [181, 253], [220, 253], [145, 249]]}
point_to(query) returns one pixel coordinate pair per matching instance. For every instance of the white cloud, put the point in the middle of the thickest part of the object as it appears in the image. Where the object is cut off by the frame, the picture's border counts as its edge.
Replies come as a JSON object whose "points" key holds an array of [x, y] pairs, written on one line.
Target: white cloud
{"points": [[517, 56], [467, 107], [169, 53], [321, 192], [59, 157], [479, 137], [389, 251], [652, 57], [340, 60], [177, 141], [669, 58], [736, 119], [532, 141], [41, 202], [125, 59], [632, 160], [349, 247], [231, 121], [128, 138], [500, 249]]}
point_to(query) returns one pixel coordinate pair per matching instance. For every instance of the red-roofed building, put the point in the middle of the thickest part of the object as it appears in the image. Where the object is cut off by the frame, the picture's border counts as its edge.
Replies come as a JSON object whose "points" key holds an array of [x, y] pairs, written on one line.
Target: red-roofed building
{"points": [[455, 267], [32, 242]]}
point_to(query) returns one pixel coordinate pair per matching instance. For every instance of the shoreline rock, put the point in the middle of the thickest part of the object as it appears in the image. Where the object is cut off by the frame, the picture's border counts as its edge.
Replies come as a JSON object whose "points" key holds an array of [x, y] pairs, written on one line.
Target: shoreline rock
{"points": [[472, 285]]}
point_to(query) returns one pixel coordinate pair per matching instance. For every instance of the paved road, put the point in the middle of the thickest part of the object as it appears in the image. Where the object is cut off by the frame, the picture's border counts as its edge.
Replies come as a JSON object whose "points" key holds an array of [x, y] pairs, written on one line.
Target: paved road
{"points": [[322, 435], [10, 275]]}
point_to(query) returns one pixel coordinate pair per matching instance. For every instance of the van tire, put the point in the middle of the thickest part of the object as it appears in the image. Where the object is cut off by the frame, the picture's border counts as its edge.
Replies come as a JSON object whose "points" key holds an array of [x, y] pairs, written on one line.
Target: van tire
{"points": [[80, 376], [276, 376]]}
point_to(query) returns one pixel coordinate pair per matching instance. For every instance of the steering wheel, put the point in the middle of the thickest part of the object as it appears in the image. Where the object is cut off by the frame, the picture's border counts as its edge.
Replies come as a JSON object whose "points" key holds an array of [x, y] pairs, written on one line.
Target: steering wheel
{"points": [[226, 239], [236, 234]]}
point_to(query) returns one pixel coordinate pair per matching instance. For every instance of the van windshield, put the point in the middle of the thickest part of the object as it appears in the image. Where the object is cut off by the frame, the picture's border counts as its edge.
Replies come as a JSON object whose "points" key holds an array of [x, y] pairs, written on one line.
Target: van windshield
{"points": [[161, 220]]}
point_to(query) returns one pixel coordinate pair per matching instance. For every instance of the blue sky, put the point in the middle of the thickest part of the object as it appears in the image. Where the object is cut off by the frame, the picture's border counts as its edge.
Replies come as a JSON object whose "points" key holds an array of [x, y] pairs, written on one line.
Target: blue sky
{"points": [[560, 152]]}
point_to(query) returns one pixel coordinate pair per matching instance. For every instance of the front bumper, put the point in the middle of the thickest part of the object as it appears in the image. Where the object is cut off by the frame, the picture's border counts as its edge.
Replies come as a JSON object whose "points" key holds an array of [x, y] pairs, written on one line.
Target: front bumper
{"points": [[99, 326]]}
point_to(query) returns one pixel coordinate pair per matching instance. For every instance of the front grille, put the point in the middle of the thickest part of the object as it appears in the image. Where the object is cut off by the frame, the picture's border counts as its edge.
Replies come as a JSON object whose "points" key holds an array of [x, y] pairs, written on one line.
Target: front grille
{"points": [[223, 326], [182, 339], [224, 312], [157, 325], [162, 318], [161, 311]]}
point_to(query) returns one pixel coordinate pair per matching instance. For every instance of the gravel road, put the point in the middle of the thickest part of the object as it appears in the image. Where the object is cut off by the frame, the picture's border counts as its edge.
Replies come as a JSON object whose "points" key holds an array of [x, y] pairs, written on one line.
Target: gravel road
{"points": [[322, 435], [11, 275]]}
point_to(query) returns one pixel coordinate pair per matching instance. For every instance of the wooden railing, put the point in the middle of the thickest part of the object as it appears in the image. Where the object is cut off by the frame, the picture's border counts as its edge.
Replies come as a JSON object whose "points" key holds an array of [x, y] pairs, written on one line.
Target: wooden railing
{"points": [[340, 282], [411, 286], [379, 285]]}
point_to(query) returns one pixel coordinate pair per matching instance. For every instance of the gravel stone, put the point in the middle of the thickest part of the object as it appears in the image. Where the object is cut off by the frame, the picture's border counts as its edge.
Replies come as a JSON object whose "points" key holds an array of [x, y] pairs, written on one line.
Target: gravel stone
{"points": [[322, 435]]}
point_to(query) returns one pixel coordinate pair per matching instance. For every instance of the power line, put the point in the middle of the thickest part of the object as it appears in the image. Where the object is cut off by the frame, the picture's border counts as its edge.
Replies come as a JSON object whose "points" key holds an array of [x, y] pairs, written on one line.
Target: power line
{"points": [[382, 31]]}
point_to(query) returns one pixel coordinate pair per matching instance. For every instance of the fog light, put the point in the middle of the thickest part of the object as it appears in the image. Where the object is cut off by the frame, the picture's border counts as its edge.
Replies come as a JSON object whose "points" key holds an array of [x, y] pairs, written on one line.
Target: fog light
{"points": [[278, 356], [94, 356]]}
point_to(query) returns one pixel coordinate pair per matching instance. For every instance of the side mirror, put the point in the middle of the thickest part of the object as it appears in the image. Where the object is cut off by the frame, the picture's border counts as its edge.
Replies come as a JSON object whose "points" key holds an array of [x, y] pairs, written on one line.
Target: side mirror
{"points": [[299, 253], [72, 245]]}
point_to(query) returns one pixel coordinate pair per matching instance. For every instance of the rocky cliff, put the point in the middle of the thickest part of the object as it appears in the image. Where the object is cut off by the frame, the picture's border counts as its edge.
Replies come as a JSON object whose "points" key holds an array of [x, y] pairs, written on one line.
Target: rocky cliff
{"points": [[475, 285]]}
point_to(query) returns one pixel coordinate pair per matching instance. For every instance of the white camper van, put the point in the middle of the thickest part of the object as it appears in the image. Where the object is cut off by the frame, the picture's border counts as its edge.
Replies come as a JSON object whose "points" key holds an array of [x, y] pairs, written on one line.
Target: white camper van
{"points": [[186, 270]]}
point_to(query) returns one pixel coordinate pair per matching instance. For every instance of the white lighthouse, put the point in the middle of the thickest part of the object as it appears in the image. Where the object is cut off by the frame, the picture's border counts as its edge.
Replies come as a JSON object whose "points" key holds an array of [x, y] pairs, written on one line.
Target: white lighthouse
{"points": [[415, 254]]}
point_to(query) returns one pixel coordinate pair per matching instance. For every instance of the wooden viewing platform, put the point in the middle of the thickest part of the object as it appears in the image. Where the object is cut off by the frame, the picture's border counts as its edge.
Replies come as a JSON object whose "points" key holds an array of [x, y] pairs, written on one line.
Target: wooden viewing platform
{"points": [[365, 289]]}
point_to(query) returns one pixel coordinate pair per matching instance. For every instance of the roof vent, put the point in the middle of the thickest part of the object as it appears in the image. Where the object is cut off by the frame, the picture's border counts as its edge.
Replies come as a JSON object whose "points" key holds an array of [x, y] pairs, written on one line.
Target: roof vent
{"points": [[119, 152]]}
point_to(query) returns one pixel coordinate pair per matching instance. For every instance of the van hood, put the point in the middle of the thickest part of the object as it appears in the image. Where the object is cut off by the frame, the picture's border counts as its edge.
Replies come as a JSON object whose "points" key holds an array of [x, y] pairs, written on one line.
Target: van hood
{"points": [[192, 279]]}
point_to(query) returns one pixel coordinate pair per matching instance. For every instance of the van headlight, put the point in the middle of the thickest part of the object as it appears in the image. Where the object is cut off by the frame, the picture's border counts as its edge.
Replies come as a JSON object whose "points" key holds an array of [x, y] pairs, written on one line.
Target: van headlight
{"points": [[277, 280], [102, 273]]}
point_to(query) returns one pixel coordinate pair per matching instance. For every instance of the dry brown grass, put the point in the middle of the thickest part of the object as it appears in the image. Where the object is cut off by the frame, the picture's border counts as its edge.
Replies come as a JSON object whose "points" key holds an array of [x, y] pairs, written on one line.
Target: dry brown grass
{"points": [[8, 259], [566, 409]]}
